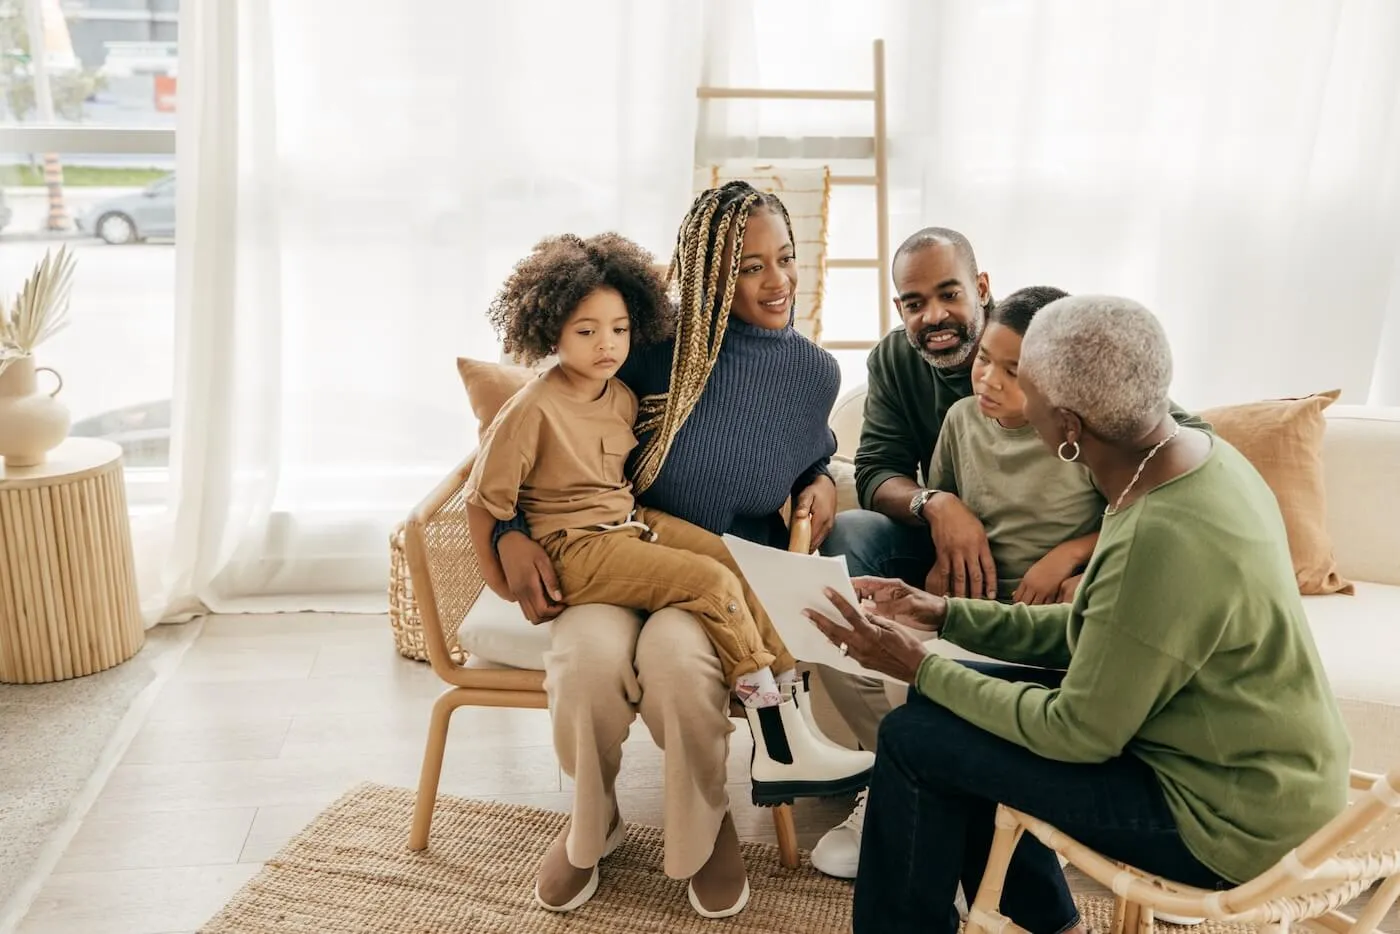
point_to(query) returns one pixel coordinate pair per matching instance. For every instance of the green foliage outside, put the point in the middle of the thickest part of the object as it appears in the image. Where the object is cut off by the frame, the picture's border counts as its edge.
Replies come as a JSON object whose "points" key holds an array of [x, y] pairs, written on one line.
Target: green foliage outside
{"points": [[81, 176], [70, 88]]}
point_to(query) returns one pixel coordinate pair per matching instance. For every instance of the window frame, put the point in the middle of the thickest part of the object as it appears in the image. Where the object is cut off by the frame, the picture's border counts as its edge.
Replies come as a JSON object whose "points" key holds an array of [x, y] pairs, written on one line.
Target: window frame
{"points": [[87, 140]]}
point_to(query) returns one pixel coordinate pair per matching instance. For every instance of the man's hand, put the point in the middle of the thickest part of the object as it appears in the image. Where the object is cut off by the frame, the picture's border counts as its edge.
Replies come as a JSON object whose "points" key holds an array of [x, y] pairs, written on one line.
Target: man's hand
{"points": [[1044, 581], [901, 603], [818, 500], [530, 577], [962, 564], [876, 643]]}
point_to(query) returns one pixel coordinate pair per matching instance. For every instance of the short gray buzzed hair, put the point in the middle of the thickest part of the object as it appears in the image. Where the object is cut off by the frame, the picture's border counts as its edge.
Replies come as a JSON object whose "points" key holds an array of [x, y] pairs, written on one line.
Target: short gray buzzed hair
{"points": [[937, 236], [1102, 357]]}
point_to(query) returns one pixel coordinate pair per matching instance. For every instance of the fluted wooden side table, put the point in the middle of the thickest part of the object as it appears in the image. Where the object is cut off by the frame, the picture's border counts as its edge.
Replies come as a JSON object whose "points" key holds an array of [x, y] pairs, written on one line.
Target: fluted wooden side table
{"points": [[68, 601]]}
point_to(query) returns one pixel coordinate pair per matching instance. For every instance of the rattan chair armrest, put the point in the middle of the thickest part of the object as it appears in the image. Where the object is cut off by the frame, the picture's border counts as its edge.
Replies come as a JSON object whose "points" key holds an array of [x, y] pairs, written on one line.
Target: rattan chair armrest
{"points": [[1362, 781], [443, 565]]}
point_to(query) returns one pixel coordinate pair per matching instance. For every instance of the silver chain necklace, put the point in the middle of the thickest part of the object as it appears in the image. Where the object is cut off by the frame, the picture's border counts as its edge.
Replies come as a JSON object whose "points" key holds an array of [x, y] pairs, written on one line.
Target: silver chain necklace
{"points": [[1113, 510]]}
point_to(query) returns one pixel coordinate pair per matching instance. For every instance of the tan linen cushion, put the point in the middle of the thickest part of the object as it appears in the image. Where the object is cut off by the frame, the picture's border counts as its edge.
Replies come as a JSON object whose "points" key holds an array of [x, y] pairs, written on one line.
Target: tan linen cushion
{"points": [[489, 386], [1282, 438], [495, 633]]}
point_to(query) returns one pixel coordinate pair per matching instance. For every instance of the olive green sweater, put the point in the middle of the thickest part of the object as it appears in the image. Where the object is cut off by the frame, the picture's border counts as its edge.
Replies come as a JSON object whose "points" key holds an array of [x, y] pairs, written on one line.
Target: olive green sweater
{"points": [[1187, 646]]}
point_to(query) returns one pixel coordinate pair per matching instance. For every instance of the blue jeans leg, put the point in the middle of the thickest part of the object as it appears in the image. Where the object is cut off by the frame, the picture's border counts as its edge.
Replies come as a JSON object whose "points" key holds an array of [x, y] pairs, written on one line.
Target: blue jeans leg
{"points": [[931, 815], [876, 545]]}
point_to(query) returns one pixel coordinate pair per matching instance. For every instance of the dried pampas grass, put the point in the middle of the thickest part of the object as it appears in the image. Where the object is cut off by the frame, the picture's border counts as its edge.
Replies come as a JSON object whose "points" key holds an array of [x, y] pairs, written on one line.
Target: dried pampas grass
{"points": [[39, 311]]}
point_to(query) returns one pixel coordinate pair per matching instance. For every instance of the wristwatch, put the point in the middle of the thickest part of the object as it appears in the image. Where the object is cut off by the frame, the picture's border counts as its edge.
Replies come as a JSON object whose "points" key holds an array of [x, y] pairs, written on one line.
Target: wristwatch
{"points": [[916, 505]]}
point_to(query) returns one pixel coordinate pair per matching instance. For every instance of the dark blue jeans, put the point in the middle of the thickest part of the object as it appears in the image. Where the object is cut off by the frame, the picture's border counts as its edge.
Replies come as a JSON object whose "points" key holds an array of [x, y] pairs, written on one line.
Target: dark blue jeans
{"points": [[877, 546], [931, 814]]}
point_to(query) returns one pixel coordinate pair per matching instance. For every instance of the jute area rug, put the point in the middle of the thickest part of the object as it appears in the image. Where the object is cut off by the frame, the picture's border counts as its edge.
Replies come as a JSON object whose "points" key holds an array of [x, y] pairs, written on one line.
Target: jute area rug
{"points": [[351, 872]]}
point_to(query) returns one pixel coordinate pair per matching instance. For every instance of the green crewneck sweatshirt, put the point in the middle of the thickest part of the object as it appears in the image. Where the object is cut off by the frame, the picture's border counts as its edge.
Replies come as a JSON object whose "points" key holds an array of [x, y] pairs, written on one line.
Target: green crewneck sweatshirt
{"points": [[1187, 646], [906, 400], [1028, 500]]}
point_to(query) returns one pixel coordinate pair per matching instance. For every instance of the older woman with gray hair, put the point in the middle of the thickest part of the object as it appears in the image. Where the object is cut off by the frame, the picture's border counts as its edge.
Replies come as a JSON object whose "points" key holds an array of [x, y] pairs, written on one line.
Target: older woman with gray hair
{"points": [[1190, 730]]}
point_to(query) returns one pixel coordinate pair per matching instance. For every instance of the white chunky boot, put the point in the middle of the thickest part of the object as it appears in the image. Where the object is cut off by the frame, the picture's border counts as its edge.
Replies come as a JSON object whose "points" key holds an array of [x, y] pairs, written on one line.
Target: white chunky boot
{"points": [[789, 762], [803, 698]]}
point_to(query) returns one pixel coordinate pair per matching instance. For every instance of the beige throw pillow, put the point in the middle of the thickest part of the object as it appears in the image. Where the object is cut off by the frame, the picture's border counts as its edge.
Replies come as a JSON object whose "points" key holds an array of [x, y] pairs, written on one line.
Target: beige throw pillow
{"points": [[489, 386], [1282, 438]]}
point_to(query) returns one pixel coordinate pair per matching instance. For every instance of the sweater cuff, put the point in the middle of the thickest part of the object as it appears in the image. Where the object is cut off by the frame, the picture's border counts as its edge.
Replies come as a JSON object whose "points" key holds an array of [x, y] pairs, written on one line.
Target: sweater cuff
{"points": [[821, 468], [926, 678], [517, 523], [953, 619]]}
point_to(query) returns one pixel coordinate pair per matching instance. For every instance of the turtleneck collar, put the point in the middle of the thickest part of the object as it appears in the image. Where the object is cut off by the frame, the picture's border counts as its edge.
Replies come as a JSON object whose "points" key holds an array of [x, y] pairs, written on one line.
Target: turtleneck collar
{"points": [[745, 330]]}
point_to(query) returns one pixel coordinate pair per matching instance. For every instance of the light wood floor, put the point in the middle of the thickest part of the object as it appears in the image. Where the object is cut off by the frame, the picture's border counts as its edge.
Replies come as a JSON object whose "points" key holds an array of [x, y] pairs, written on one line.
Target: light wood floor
{"points": [[268, 719]]}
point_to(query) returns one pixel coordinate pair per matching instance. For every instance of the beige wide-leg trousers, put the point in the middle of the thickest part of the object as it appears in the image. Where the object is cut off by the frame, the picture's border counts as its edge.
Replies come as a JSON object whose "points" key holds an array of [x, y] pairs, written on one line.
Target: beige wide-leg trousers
{"points": [[604, 666]]}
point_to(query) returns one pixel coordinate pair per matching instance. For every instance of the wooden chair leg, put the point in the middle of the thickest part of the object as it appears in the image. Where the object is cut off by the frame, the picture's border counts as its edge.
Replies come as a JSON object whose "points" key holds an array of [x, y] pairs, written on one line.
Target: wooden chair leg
{"points": [[1120, 914], [1381, 900], [431, 773], [787, 835], [1132, 912], [984, 914]]}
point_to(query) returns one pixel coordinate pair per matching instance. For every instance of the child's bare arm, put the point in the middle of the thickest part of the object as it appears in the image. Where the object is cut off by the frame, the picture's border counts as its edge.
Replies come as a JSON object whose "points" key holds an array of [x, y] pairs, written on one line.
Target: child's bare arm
{"points": [[1082, 548], [1046, 580], [482, 524]]}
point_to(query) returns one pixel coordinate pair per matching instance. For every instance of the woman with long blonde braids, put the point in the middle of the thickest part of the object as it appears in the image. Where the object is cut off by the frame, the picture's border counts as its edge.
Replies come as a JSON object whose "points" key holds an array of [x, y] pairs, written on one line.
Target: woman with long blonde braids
{"points": [[733, 426]]}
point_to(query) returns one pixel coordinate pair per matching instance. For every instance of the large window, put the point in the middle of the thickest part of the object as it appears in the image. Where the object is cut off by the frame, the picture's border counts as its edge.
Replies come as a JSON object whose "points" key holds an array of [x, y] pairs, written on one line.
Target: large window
{"points": [[87, 159]]}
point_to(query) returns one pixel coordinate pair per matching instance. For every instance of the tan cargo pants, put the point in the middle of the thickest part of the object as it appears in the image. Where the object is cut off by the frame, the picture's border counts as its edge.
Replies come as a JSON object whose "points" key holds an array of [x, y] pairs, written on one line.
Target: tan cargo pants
{"points": [[687, 568]]}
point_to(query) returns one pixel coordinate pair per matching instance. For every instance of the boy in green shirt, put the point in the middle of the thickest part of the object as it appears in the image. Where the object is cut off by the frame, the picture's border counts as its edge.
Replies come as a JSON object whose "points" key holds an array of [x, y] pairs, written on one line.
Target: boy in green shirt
{"points": [[1041, 512]]}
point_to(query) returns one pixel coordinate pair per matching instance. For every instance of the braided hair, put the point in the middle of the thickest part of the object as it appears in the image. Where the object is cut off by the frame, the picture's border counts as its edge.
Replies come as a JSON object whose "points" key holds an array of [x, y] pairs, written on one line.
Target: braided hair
{"points": [[717, 218]]}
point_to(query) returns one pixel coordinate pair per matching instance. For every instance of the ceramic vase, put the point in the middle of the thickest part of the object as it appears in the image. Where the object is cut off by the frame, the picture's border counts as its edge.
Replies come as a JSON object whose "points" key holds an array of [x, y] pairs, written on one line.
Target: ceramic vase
{"points": [[32, 422]]}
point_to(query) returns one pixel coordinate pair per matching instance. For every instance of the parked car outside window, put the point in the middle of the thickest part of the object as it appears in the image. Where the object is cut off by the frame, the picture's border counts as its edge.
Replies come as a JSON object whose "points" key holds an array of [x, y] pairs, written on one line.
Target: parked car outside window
{"points": [[132, 218]]}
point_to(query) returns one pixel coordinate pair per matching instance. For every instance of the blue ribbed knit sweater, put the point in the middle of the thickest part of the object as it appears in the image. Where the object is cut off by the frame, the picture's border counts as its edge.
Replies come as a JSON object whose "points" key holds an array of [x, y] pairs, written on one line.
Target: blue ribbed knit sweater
{"points": [[758, 435]]}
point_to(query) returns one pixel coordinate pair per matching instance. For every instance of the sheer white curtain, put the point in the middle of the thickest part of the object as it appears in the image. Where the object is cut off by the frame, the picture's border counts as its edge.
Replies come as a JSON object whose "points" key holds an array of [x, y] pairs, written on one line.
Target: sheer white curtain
{"points": [[1233, 164], [356, 179]]}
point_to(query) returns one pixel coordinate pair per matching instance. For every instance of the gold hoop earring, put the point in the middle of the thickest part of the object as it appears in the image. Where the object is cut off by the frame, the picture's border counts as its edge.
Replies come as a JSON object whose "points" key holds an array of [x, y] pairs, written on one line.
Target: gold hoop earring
{"points": [[1068, 458]]}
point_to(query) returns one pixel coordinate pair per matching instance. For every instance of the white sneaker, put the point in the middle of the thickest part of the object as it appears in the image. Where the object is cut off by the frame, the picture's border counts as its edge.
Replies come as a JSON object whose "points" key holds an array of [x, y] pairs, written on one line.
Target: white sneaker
{"points": [[837, 853], [789, 762]]}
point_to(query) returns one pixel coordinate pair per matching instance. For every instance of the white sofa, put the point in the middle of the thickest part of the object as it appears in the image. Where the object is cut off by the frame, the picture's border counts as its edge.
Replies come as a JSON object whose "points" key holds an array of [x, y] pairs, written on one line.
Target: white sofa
{"points": [[1358, 636]]}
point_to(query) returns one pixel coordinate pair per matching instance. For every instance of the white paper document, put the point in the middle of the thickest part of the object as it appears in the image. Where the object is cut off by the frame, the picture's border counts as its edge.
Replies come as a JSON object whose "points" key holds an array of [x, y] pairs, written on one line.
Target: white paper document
{"points": [[786, 583]]}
